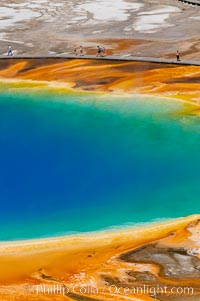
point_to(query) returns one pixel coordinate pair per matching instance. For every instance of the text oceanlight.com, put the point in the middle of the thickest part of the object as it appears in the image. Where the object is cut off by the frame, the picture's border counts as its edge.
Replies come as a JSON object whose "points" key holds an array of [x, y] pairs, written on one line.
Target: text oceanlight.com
{"points": [[114, 290]]}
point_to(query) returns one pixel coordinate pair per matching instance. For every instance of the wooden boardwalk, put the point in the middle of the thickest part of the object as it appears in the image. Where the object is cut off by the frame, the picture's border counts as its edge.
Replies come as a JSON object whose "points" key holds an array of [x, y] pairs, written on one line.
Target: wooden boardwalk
{"points": [[191, 2], [107, 58]]}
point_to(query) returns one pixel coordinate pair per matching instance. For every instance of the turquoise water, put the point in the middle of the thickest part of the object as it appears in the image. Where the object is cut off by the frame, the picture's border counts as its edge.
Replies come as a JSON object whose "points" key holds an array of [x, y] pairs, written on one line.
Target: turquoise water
{"points": [[78, 163]]}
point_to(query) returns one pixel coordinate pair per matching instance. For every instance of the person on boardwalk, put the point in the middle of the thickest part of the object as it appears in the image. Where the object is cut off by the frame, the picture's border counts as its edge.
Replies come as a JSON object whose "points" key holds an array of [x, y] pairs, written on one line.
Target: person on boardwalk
{"points": [[81, 51], [104, 51], [99, 51], [75, 50], [177, 56], [10, 53]]}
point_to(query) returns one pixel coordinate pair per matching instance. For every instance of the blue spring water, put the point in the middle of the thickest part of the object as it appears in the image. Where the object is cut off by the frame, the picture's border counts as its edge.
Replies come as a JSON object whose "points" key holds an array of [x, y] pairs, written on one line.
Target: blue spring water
{"points": [[82, 162]]}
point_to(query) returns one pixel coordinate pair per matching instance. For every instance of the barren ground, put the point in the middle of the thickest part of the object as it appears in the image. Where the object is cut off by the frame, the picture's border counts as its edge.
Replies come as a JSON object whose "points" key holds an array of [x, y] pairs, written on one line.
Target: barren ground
{"points": [[143, 28]]}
